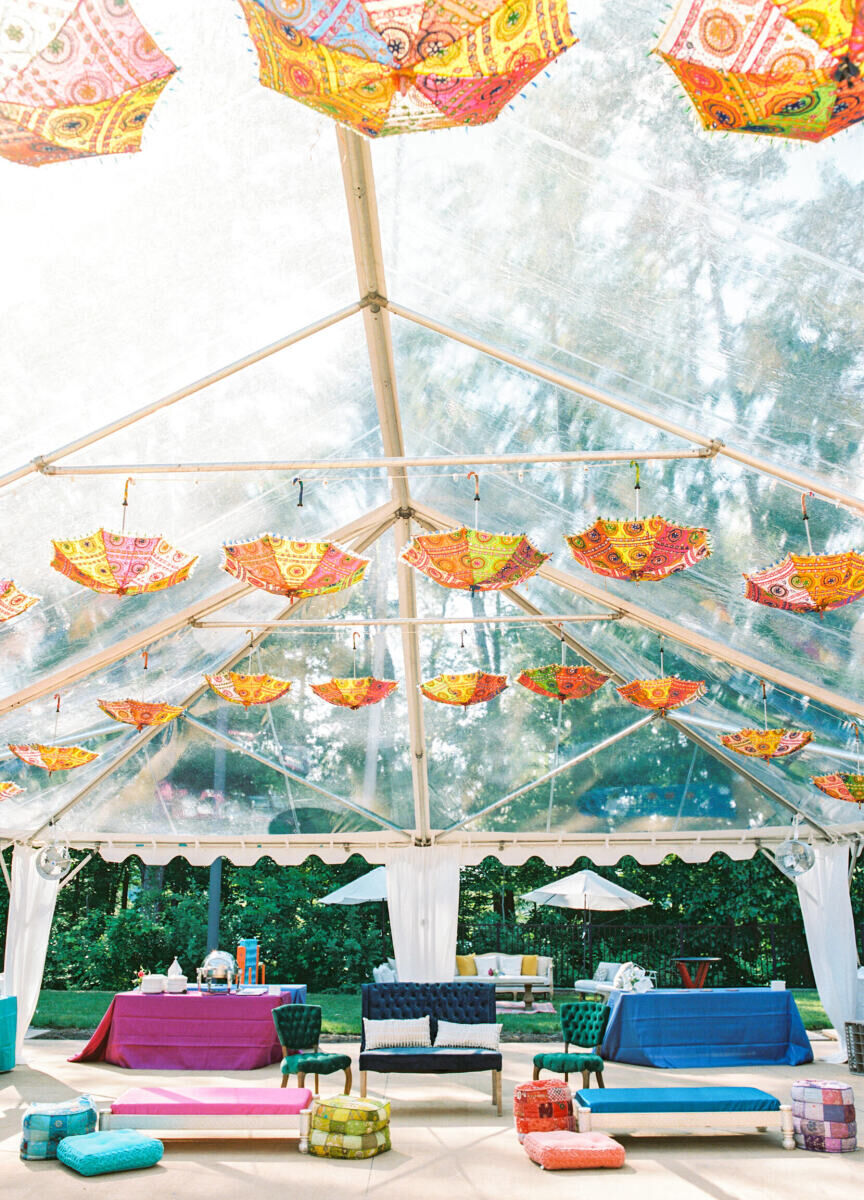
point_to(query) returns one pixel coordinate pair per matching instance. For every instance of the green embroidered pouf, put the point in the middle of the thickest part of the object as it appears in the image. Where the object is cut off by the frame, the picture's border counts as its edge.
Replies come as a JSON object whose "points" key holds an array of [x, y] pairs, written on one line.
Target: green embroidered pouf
{"points": [[46, 1125], [110, 1150], [350, 1127]]}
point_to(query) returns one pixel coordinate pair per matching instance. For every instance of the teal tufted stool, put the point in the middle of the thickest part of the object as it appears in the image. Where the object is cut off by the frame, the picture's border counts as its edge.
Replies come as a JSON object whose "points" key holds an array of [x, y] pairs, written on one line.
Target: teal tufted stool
{"points": [[583, 1022], [298, 1027]]}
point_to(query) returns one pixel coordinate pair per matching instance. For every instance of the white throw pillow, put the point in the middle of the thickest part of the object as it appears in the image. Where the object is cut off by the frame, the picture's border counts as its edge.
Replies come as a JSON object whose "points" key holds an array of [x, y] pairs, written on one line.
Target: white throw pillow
{"points": [[382, 1035], [510, 964], [601, 975], [485, 963], [477, 1037]]}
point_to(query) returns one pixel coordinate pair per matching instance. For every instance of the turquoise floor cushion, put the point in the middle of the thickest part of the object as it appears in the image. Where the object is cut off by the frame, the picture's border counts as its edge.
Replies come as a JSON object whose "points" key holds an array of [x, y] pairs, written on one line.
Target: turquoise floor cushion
{"points": [[110, 1150], [45, 1125]]}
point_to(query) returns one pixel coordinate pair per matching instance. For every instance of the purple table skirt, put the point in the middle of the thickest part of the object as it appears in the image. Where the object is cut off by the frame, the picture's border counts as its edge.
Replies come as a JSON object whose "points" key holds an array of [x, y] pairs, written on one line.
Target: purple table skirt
{"points": [[192, 1032]]}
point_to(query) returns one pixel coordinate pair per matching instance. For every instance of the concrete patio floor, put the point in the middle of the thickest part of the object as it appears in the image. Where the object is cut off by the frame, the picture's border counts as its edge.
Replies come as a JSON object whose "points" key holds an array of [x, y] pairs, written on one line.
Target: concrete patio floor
{"points": [[447, 1142]]}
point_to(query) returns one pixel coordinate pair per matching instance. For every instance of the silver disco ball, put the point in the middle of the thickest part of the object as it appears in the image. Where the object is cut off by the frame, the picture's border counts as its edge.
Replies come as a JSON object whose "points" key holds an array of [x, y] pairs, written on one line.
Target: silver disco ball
{"points": [[794, 857], [54, 861]]}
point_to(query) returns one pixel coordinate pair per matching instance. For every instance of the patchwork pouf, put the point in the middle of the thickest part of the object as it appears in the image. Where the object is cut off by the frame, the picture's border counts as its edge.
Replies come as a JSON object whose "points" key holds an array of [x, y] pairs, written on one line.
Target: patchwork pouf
{"points": [[823, 1116], [350, 1127], [45, 1125], [559, 1149], [109, 1151], [542, 1105]]}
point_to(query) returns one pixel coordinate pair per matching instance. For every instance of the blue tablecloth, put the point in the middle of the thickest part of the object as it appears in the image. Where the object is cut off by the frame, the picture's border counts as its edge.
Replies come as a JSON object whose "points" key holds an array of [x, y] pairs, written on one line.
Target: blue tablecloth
{"points": [[8, 1031], [711, 1027]]}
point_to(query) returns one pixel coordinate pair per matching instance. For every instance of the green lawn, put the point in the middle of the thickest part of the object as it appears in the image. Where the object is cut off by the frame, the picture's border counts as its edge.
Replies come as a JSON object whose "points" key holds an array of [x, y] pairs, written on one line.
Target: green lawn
{"points": [[84, 1010]]}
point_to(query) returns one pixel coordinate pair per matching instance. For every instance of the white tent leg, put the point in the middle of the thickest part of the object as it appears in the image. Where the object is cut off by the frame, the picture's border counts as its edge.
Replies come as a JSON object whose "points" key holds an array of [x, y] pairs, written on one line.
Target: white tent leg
{"points": [[28, 927]]}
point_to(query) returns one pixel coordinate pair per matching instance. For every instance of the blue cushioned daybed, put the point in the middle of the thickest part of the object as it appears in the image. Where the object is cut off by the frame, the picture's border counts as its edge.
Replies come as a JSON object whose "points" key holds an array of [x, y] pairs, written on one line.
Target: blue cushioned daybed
{"points": [[464, 1003], [682, 1109]]}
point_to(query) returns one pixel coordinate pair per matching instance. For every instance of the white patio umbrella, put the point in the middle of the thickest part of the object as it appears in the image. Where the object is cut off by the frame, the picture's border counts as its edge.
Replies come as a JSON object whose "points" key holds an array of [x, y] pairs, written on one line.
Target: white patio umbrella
{"points": [[586, 890], [371, 886]]}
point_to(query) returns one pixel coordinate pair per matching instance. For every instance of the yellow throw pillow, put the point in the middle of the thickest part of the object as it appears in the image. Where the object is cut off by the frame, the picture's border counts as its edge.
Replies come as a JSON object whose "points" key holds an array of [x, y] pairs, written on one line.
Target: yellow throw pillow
{"points": [[530, 965], [465, 964]]}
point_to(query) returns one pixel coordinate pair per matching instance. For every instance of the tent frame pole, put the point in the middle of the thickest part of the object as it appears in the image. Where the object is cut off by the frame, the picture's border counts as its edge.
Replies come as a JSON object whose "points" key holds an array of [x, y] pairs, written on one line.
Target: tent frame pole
{"points": [[717, 447], [42, 461], [359, 181]]}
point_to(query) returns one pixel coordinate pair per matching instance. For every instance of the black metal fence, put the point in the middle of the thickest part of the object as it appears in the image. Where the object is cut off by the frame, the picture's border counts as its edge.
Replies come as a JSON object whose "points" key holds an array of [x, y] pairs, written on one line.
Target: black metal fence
{"points": [[750, 954]]}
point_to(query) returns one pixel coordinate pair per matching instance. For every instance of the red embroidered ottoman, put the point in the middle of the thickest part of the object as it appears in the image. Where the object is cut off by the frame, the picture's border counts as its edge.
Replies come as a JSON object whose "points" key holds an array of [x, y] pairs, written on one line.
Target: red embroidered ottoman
{"points": [[542, 1105], [560, 1149], [823, 1116]]}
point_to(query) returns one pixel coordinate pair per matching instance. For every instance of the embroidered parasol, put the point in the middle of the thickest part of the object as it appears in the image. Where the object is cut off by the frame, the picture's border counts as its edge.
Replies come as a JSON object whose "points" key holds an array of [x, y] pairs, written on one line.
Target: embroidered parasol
{"points": [[354, 693], [384, 68], [13, 601], [562, 683], [642, 549], [248, 689], [841, 786], [87, 89], [462, 690], [53, 758], [766, 743], [292, 568], [790, 68], [808, 582], [139, 712], [662, 694], [122, 564], [9, 789], [471, 560]]}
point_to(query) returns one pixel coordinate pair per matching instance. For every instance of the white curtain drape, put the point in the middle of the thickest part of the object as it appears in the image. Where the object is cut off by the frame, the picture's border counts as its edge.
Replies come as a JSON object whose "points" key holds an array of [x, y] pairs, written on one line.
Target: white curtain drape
{"points": [[423, 901], [28, 927], [823, 893]]}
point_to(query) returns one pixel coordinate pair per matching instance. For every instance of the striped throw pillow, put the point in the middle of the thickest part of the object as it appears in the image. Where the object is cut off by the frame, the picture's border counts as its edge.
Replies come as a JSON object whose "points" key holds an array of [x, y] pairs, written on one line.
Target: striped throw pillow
{"points": [[382, 1035]]}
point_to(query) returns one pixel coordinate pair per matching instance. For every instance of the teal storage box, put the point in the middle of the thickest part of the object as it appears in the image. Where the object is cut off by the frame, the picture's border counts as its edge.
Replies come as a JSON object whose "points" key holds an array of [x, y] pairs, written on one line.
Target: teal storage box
{"points": [[46, 1125], [8, 1031], [110, 1150]]}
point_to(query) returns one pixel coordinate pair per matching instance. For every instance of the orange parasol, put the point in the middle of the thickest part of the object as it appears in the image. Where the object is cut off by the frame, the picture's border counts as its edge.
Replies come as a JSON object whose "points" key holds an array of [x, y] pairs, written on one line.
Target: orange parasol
{"points": [[293, 568], [766, 743], [662, 694], [562, 683], [140, 712], [9, 789], [53, 758], [462, 690], [354, 693], [13, 601], [248, 689]]}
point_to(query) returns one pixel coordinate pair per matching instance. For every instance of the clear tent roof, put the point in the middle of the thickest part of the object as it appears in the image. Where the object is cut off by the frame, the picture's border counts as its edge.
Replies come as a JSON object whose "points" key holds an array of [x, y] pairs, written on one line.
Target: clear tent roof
{"points": [[593, 234]]}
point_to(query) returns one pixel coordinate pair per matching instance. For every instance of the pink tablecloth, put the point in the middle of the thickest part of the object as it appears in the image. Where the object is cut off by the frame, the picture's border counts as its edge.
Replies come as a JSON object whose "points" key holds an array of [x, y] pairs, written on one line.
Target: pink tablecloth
{"points": [[192, 1032]]}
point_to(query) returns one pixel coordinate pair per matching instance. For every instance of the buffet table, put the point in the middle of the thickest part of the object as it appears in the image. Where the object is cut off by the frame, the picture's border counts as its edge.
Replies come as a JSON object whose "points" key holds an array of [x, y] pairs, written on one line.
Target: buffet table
{"points": [[197, 1031], [720, 1027]]}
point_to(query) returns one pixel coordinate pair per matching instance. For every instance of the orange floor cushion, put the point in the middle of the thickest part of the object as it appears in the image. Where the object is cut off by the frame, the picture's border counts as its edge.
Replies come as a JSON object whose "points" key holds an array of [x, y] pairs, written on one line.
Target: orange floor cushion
{"points": [[559, 1149]]}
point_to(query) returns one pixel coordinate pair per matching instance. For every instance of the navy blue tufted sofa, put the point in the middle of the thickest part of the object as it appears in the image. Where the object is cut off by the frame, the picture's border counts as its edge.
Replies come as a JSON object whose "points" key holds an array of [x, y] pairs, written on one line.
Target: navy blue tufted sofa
{"points": [[466, 1003]]}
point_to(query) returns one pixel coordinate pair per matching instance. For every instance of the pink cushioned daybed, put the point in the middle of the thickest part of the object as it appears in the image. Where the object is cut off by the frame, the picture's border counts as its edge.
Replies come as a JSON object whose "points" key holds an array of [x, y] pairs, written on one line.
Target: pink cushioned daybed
{"points": [[194, 1110]]}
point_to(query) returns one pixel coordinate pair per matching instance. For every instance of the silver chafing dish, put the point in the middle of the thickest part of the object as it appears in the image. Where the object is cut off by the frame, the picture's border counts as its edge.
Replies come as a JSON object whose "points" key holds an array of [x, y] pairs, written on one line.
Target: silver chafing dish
{"points": [[219, 967]]}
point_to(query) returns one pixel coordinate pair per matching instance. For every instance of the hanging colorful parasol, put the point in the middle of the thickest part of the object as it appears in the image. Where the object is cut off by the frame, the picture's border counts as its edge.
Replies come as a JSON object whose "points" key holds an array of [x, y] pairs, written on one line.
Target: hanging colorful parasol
{"points": [[767, 66], [122, 565], [386, 68], [766, 743], [473, 688], [13, 601], [662, 694], [9, 789], [849, 787], [248, 689], [642, 549], [87, 89], [471, 560], [53, 758], [808, 582], [562, 683], [139, 712], [354, 693], [291, 568]]}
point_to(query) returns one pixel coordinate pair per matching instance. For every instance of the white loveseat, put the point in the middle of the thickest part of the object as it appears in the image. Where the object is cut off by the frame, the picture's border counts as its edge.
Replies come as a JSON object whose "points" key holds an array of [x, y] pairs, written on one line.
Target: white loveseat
{"points": [[613, 976], [507, 974]]}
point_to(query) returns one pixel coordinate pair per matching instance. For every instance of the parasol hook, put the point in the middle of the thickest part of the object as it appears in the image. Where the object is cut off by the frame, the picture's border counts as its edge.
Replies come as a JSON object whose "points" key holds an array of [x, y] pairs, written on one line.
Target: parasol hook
{"points": [[56, 714], [462, 638], [637, 486], [765, 703], [806, 519], [57, 698], [145, 654], [354, 636], [661, 656], [298, 482], [473, 475], [125, 505]]}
